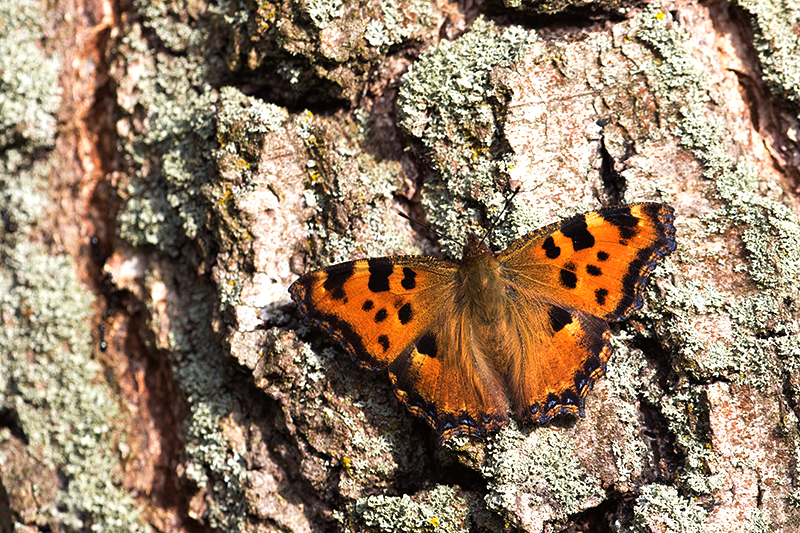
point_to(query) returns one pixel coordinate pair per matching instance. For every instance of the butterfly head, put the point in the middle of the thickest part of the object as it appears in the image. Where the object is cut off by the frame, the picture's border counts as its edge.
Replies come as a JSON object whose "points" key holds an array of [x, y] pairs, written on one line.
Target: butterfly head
{"points": [[475, 248]]}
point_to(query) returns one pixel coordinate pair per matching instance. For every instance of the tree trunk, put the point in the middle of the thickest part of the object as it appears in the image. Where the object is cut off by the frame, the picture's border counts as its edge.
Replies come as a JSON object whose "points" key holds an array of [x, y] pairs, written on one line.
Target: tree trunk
{"points": [[169, 170]]}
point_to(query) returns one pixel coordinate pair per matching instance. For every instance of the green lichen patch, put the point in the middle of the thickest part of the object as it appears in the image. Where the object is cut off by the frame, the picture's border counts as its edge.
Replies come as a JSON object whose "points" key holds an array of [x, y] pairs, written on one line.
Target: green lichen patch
{"points": [[662, 508], [537, 479], [29, 93], [451, 101], [351, 193], [314, 51], [168, 159], [775, 38], [51, 383], [442, 509]]}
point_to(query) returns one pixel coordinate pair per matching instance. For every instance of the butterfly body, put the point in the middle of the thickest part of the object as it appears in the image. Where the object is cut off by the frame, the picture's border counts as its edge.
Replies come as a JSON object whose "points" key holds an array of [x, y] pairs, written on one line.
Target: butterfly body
{"points": [[524, 330]]}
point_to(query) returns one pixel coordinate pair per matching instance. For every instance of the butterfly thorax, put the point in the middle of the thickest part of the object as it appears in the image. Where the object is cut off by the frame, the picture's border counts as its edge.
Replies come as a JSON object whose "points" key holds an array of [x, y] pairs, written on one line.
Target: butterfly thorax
{"points": [[482, 288]]}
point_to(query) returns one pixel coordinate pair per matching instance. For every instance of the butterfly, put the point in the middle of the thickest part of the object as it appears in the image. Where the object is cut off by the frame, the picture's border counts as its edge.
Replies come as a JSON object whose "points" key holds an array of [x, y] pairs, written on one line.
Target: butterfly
{"points": [[524, 330]]}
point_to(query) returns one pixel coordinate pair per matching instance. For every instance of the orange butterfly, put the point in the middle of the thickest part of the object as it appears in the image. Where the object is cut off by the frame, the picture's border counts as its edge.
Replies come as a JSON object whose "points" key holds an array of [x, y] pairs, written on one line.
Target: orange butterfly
{"points": [[524, 329]]}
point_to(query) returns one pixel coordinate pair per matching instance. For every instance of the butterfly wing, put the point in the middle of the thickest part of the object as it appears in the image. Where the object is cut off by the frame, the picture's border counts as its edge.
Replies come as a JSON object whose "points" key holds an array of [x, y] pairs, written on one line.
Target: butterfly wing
{"points": [[400, 314], [570, 278]]}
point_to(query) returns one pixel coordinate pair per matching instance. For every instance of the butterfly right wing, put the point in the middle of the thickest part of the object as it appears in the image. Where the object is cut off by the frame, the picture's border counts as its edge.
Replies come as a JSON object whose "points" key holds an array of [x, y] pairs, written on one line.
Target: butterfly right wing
{"points": [[401, 313], [571, 277]]}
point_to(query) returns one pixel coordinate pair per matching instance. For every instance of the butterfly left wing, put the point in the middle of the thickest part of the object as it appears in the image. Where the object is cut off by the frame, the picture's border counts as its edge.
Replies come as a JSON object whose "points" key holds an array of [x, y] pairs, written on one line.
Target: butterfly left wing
{"points": [[374, 307], [571, 277], [400, 313]]}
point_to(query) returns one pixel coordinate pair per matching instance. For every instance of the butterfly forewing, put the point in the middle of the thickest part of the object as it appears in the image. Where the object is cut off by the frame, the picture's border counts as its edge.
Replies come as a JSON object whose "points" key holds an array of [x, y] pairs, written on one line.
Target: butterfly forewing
{"points": [[598, 262], [375, 308], [565, 351]]}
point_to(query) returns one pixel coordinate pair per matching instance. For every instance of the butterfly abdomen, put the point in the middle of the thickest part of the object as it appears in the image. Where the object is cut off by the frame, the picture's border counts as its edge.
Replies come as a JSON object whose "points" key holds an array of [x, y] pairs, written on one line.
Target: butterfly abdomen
{"points": [[488, 299]]}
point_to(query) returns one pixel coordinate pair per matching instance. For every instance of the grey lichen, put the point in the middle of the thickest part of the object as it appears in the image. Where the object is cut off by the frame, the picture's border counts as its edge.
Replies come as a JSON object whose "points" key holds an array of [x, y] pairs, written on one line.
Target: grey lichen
{"points": [[450, 101], [349, 189], [626, 374], [561, 7], [445, 94], [50, 380], [776, 41], [441, 509], [315, 50]]}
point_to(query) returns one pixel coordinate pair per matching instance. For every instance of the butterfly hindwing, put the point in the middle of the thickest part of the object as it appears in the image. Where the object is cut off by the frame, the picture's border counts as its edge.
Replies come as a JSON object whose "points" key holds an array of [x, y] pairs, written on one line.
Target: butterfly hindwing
{"points": [[446, 378], [564, 352]]}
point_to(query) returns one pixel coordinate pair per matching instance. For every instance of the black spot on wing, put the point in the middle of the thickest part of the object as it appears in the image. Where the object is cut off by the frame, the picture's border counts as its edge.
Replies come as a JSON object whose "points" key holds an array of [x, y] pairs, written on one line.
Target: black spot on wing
{"points": [[380, 316], [559, 317], [568, 277], [602, 256], [379, 271], [409, 279], [575, 229], [550, 249], [621, 218], [426, 345], [383, 340], [600, 296], [336, 277], [368, 305], [405, 314], [594, 270]]}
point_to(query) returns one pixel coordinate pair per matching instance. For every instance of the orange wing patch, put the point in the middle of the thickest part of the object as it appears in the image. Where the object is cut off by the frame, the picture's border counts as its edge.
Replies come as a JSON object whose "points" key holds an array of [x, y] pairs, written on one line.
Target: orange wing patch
{"points": [[524, 330], [374, 307]]}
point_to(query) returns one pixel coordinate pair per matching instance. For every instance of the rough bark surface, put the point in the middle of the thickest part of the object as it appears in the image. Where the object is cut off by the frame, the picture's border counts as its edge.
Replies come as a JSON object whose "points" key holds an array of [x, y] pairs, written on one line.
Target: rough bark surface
{"points": [[167, 170]]}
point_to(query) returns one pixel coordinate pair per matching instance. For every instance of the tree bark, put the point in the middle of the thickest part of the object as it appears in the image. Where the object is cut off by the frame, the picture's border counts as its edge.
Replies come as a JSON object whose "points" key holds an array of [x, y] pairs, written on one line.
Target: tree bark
{"points": [[169, 170]]}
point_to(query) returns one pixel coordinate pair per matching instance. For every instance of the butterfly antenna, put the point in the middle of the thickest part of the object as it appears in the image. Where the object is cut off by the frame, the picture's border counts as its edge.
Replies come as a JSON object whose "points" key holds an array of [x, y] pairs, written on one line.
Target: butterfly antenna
{"points": [[427, 227], [497, 218]]}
